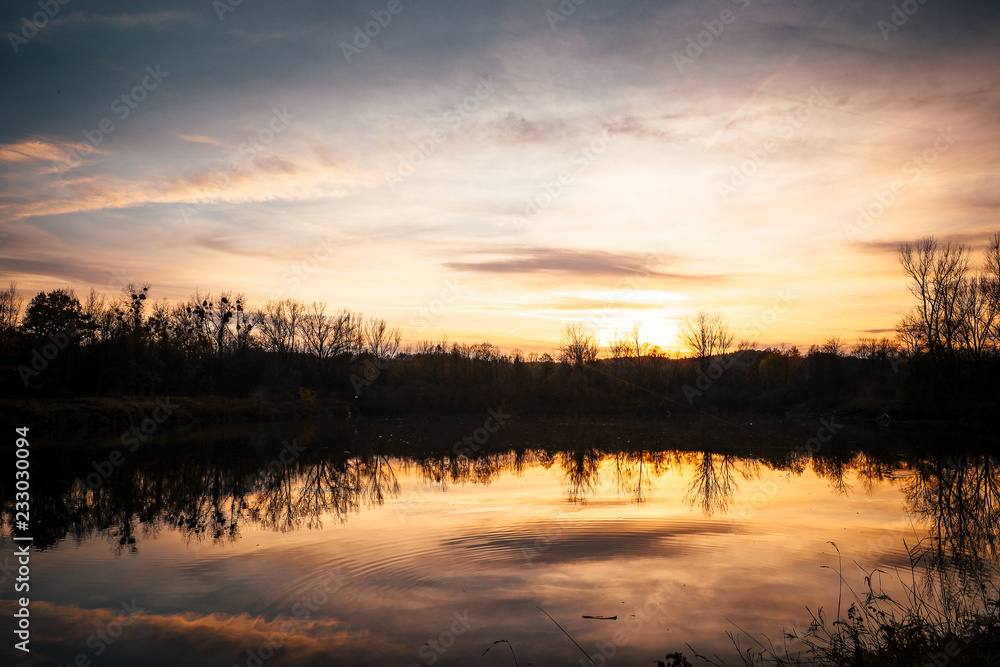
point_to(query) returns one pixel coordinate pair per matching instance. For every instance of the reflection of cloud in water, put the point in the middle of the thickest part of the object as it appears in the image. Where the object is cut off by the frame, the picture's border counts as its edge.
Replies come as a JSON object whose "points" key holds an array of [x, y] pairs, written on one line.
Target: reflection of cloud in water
{"points": [[577, 519], [154, 639], [543, 542]]}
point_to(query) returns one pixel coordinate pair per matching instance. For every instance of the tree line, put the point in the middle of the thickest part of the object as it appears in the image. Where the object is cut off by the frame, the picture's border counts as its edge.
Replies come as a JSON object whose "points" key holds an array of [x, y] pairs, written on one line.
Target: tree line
{"points": [[946, 348], [210, 489]]}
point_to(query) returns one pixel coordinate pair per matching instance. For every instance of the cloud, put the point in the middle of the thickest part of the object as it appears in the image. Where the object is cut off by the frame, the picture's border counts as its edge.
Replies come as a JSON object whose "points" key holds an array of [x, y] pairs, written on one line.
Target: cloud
{"points": [[45, 156], [266, 177], [201, 139], [638, 128], [625, 299], [974, 240], [515, 129], [32, 150], [562, 261], [576, 543], [206, 638], [634, 271], [84, 20]]}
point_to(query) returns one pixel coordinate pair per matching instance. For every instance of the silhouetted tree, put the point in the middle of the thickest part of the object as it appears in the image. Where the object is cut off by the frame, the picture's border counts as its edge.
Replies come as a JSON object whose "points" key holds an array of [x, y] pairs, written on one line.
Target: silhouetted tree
{"points": [[280, 325], [937, 273], [57, 311], [578, 344], [834, 345], [380, 340], [707, 334], [10, 313]]}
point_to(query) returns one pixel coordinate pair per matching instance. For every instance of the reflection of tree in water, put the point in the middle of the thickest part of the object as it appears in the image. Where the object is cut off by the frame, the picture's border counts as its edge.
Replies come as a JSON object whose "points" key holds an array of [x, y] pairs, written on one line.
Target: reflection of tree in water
{"points": [[839, 469], [481, 469], [959, 499], [375, 480], [835, 469], [870, 471], [210, 493], [632, 472], [713, 482], [581, 472], [209, 498]]}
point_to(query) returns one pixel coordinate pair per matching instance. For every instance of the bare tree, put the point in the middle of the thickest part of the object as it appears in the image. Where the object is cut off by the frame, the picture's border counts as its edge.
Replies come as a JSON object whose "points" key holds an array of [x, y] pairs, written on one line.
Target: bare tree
{"points": [[130, 306], [707, 334], [11, 303], [212, 323], [872, 349], [991, 287], [937, 273], [159, 322], [328, 336], [99, 318], [834, 345], [347, 334], [280, 325], [187, 326], [909, 332], [618, 346], [578, 344], [247, 320], [637, 347], [219, 319], [618, 351], [380, 340], [423, 347]]}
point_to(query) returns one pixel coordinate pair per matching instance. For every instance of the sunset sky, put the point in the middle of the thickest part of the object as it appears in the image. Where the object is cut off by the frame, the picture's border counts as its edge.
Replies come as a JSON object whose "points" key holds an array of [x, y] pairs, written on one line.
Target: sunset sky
{"points": [[494, 170]]}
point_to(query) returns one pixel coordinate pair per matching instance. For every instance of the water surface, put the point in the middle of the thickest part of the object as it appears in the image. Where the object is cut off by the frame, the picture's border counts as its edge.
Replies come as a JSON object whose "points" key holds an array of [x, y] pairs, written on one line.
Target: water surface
{"points": [[375, 544]]}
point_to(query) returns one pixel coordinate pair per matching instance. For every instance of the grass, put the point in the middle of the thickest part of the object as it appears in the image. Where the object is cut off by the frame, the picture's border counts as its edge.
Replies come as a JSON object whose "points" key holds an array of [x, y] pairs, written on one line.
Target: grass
{"points": [[931, 626]]}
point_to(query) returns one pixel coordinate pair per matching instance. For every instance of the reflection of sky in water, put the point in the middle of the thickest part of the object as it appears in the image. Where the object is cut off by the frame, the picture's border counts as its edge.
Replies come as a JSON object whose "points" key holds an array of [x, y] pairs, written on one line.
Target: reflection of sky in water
{"points": [[712, 541]]}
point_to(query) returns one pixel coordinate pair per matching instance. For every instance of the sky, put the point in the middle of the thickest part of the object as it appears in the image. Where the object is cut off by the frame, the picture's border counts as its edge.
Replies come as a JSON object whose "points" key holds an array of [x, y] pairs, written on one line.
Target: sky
{"points": [[496, 170]]}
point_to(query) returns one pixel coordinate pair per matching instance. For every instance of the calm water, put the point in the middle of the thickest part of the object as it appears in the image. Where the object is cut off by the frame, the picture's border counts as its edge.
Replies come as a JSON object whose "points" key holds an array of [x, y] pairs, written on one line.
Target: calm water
{"points": [[374, 544]]}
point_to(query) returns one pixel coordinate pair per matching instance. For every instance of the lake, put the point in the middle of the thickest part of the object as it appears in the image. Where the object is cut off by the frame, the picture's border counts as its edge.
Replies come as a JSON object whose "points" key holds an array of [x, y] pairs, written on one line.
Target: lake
{"points": [[424, 542]]}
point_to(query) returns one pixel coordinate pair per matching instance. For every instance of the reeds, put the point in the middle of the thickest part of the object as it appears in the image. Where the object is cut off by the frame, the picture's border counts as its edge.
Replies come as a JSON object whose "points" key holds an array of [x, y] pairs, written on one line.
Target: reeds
{"points": [[932, 624]]}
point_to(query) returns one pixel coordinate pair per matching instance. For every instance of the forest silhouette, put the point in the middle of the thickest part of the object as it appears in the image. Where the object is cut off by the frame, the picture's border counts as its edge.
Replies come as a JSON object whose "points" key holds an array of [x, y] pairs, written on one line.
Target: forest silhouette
{"points": [[942, 360]]}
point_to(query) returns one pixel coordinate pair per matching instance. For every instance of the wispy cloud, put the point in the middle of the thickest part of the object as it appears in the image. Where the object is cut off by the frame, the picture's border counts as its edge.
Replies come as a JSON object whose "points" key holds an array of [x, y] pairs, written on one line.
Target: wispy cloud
{"points": [[84, 20], [202, 139]]}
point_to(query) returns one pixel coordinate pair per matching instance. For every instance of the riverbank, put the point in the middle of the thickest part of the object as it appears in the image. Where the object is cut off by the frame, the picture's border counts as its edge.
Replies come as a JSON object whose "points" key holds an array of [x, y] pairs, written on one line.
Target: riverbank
{"points": [[103, 421]]}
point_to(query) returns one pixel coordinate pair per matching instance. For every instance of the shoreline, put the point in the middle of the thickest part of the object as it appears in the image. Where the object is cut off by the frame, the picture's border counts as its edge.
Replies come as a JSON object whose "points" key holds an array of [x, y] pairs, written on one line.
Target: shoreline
{"points": [[98, 417]]}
